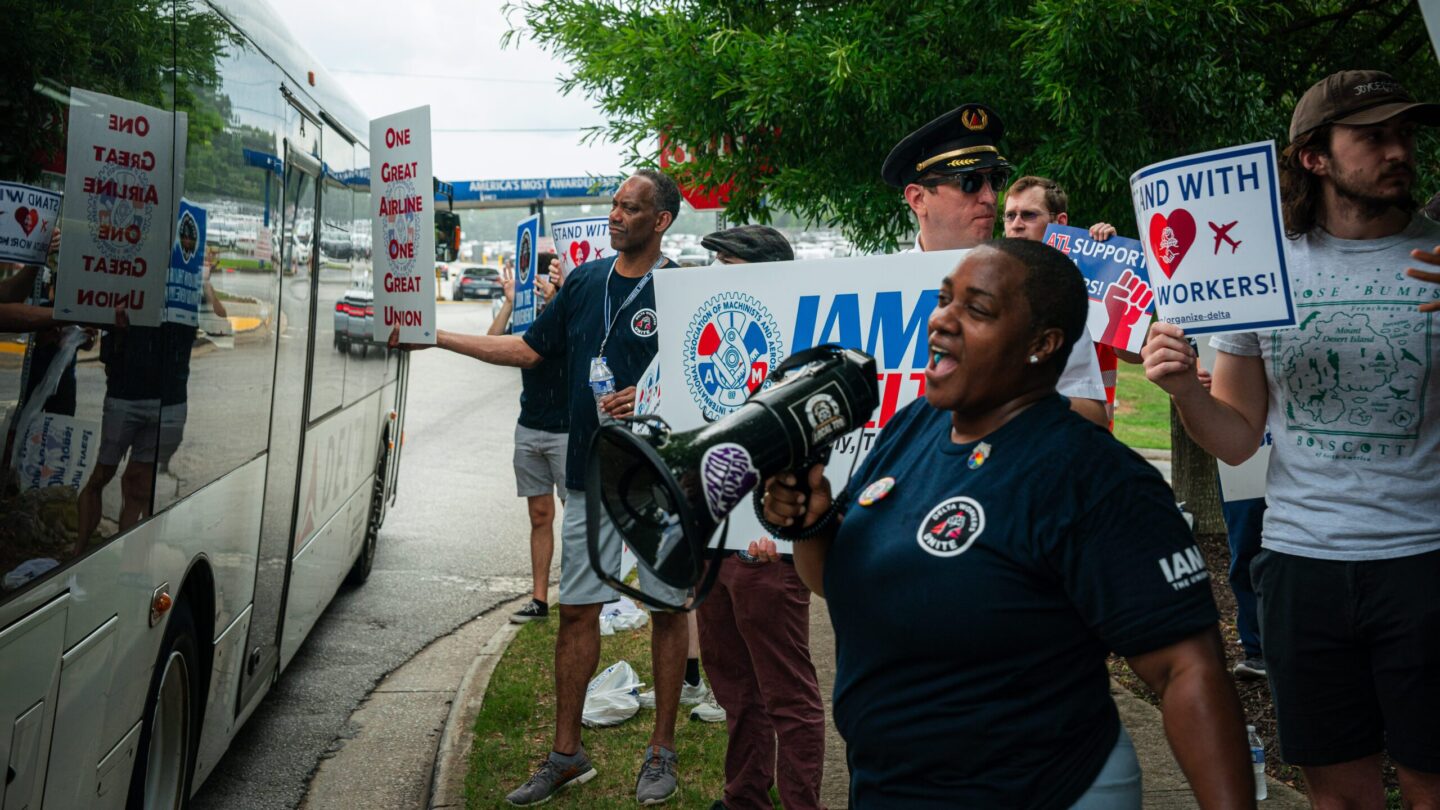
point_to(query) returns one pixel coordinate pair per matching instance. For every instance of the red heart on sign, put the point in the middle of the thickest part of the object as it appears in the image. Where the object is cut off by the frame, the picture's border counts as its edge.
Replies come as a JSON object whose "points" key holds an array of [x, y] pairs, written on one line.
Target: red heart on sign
{"points": [[579, 252], [27, 217], [1171, 239]]}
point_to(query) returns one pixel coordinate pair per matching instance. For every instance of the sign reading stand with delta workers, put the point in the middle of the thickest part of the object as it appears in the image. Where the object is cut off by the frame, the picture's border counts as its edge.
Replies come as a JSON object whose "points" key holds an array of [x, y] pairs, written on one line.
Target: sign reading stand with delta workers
{"points": [[578, 241], [1121, 299], [527, 240], [723, 329], [27, 218], [1214, 240], [402, 182]]}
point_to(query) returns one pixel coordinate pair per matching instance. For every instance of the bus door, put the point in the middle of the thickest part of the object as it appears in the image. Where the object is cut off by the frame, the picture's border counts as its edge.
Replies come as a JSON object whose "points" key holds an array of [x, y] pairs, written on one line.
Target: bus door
{"points": [[298, 263]]}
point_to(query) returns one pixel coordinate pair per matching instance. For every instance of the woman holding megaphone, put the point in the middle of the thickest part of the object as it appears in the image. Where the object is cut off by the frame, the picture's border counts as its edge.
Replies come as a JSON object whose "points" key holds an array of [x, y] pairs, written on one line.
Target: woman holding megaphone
{"points": [[985, 559]]}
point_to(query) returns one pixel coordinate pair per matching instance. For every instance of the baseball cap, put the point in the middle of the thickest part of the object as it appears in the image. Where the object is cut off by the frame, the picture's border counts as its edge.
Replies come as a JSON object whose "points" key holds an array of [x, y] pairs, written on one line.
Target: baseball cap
{"points": [[1357, 98]]}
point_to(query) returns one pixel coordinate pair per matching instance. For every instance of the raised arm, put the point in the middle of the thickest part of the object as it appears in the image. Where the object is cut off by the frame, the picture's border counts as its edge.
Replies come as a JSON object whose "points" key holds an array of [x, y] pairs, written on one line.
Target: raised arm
{"points": [[502, 318], [1203, 719], [500, 350], [1228, 421]]}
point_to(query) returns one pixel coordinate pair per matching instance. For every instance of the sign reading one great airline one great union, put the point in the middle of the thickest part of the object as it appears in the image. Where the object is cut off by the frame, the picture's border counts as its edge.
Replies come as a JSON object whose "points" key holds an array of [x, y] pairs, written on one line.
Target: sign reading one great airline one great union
{"points": [[402, 184]]}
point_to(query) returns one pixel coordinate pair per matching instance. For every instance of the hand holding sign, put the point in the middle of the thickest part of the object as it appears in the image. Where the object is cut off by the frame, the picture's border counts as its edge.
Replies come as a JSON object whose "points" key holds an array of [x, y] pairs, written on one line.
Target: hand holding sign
{"points": [[1169, 360], [1431, 258]]}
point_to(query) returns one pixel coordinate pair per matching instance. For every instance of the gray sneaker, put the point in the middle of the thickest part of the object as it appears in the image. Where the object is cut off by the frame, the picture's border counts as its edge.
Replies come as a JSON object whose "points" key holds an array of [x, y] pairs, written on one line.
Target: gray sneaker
{"points": [[656, 782], [556, 773], [1251, 669]]}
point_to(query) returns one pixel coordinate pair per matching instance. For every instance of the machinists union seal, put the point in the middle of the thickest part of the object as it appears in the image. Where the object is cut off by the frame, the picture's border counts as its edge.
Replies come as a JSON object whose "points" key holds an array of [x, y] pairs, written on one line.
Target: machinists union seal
{"points": [[731, 346]]}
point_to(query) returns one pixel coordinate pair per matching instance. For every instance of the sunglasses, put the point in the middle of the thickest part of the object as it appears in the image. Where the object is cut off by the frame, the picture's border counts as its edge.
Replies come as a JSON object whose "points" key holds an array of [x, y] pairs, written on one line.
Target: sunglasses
{"points": [[1023, 216], [971, 182]]}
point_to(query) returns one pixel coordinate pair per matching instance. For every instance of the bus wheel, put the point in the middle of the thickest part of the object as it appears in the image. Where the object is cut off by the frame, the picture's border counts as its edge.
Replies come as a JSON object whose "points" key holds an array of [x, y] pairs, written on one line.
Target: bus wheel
{"points": [[360, 571], [172, 721]]}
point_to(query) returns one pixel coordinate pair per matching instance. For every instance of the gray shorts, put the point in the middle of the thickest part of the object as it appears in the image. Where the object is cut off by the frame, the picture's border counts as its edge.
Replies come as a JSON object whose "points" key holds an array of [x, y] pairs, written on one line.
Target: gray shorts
{"points": [[144, 427], [539, 462], [579, 584]]}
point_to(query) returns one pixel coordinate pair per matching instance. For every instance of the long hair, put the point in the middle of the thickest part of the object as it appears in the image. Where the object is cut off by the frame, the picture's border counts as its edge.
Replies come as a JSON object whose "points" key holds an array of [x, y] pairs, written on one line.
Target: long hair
{"points": [[1300, 189]]}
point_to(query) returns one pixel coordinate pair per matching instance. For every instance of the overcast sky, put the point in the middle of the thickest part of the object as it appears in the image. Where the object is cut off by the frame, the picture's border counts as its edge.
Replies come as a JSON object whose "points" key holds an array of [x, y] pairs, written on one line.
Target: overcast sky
{"points": [[393, 56]]}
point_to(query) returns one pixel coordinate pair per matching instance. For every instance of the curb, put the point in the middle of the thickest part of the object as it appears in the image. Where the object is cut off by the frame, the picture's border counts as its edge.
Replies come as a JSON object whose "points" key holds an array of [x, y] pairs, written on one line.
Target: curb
{"points": [[447, 782]]}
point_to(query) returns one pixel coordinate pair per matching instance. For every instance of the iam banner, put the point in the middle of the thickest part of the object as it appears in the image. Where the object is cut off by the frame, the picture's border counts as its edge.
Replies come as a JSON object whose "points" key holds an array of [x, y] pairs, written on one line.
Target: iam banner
{"points": [[724, 327]]}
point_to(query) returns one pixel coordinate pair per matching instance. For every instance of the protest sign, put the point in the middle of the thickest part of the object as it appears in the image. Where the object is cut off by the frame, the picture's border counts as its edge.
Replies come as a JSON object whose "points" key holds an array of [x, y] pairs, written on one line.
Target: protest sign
{"points": [[1246, 480], [1121, 300], [56, 450], [527, 240], [117, 211], [724, 327], [578, 241], [183, 285], [402, 193], [1231, 276], [27, 218]]}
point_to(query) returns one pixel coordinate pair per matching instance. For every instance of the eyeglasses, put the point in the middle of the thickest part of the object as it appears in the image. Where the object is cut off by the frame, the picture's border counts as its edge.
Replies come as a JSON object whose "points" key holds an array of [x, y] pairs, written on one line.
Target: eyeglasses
{"points": [[971, 182], [1023, 216]]}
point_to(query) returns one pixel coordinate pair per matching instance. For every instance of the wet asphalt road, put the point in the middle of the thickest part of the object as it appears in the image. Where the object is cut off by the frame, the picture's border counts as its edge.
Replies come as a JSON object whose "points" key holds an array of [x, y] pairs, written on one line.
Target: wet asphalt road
{"points": [[454, 545]]}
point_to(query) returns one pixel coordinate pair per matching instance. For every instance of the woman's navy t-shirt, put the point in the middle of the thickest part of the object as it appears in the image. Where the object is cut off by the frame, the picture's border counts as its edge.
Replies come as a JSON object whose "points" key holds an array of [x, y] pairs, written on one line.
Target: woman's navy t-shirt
{"points": [[571, 330], [974, 608]]}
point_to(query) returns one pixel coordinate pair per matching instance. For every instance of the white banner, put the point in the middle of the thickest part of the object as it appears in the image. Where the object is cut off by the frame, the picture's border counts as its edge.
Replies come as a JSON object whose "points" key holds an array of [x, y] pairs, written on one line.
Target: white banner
{"points": [[1214, 240], [1247, 480], [578, 241], [56, 451], [27, 218], [724, 327], [118, 210], [403, 195]]}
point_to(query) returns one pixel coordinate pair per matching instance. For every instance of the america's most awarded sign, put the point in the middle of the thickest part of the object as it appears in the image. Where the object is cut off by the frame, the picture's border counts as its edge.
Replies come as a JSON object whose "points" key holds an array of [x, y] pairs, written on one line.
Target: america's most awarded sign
{"points": [[402, 182]]}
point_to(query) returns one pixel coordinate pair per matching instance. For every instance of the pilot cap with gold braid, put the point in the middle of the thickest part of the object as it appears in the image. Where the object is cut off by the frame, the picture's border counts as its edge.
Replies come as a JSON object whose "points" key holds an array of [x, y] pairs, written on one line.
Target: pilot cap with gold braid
{"points": [[962, 140]]}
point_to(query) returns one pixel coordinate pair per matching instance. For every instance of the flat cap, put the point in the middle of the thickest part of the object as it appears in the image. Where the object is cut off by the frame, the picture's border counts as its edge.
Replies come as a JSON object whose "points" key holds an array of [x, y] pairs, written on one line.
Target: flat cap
{"points": [[1357, 98], [752, 243], [962, 140]]}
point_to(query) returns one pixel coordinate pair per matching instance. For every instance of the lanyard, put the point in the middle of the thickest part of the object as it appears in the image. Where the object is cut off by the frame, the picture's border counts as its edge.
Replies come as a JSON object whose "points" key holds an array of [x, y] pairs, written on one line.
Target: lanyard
{"points": [[629, 299]]}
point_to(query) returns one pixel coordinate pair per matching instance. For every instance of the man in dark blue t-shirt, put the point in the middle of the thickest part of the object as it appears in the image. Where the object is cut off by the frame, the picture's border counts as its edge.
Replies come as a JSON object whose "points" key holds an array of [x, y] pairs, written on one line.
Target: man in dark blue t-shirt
{"points": [[542, 436], [605, 310]]}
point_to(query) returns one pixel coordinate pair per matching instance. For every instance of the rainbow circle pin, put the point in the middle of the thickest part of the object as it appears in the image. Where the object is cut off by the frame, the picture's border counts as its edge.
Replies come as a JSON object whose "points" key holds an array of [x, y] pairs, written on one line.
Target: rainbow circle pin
{"points": [[978, 457], [877, 491]]}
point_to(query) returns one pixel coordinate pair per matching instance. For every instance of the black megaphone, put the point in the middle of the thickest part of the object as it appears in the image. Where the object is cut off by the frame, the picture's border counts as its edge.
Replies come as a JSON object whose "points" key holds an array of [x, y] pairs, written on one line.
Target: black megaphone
{"points": [[666, 492]]}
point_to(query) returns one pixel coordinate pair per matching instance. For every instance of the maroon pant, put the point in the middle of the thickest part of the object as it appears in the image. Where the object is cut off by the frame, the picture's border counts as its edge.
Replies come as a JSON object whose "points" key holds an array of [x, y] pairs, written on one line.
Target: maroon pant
{"points": [[755, 642]]}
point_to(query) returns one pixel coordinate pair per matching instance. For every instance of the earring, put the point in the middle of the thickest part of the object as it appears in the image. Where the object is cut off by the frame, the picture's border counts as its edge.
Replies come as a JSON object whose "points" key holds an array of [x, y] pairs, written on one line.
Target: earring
{"points": [[1034, 359]]}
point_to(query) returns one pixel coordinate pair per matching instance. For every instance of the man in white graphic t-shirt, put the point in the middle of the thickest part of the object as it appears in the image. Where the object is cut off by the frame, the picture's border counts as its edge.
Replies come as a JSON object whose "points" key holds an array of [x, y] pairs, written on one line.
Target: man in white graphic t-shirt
{"points": [[1351, 548]]}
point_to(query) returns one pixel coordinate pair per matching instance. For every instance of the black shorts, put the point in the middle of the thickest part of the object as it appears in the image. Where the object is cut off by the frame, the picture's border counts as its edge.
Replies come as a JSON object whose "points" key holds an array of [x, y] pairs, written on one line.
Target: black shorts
{"points": [[1353, 651]]}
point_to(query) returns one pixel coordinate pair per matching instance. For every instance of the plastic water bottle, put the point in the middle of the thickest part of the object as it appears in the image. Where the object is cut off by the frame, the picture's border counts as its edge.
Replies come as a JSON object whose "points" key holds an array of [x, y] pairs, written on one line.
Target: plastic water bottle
{"points": [[602, 382], [1257, 761]]}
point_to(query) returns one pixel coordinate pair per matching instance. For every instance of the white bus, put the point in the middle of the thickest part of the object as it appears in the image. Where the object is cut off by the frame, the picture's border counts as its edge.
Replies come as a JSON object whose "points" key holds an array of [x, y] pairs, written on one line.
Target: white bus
{"points": [[180, 502]]}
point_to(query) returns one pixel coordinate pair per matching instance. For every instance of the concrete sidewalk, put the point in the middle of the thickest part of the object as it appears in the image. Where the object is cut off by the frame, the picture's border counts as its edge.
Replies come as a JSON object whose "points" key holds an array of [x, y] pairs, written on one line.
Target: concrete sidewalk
{"points": [[411, 741]]}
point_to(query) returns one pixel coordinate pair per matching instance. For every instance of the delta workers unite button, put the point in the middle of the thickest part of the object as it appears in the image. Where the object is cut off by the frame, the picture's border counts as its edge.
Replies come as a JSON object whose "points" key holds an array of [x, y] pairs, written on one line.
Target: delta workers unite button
{"points": [[951, 527], [876, 491]]}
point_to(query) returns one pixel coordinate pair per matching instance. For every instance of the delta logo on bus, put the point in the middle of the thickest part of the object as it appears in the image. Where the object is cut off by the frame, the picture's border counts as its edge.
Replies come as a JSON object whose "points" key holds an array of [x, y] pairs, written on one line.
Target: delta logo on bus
{"points": [[731, 345], [888, 325]]}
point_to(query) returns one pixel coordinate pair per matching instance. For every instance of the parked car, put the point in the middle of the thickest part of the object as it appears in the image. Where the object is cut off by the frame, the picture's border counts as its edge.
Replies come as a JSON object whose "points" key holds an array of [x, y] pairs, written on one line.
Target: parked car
{"points": [[354, 313], [475, 282]]}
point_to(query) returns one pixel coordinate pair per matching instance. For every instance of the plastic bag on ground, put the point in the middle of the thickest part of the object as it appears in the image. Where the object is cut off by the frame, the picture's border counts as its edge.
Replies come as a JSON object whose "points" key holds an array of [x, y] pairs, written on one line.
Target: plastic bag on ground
{"points": [[621, 615], [612, 697]]}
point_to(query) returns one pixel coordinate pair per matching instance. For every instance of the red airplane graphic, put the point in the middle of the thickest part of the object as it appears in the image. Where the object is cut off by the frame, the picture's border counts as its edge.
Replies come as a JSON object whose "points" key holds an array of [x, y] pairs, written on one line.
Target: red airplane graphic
{"points": [[1222, 232]]}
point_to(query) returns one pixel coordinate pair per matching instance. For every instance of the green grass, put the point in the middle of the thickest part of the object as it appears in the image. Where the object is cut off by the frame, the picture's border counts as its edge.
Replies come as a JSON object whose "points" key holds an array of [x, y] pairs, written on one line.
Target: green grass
{"points": [[237, 262], [513, 732], [1142, 410]]}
